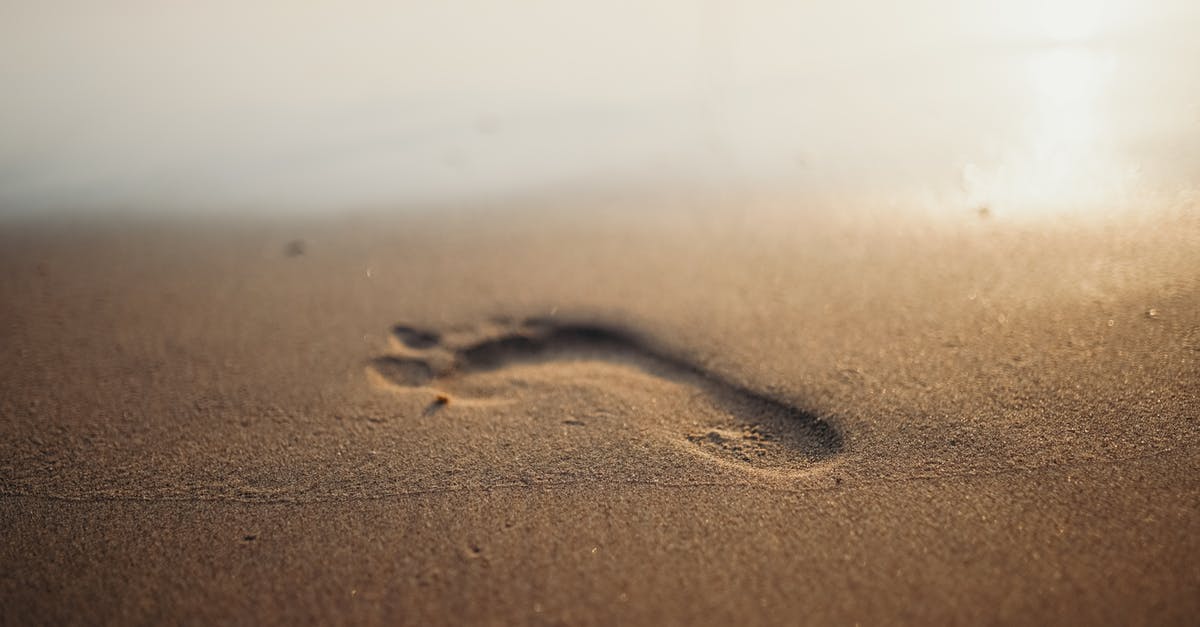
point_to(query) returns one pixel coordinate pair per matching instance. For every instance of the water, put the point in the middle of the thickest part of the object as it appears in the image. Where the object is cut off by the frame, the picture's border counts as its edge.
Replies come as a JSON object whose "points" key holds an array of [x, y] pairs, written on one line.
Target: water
{"points": [[1007, 109]]}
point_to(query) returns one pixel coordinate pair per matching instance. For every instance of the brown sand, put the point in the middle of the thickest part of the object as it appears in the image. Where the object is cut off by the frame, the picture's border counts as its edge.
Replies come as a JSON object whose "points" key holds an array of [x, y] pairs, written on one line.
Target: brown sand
{"points": [[713, 417]]}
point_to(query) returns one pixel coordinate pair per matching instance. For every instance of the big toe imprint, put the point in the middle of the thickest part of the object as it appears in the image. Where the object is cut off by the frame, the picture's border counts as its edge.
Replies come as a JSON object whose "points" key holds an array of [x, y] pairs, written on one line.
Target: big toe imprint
{"points": [[732, 425]]}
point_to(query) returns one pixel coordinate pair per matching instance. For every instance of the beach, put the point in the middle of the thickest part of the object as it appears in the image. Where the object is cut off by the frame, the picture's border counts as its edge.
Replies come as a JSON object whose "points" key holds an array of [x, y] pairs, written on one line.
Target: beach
{"points": [[597, 411]]}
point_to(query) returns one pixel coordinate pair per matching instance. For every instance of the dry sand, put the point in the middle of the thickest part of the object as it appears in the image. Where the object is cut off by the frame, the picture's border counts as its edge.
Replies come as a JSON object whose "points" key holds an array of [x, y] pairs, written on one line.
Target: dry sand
{"points": [[599, 415]]}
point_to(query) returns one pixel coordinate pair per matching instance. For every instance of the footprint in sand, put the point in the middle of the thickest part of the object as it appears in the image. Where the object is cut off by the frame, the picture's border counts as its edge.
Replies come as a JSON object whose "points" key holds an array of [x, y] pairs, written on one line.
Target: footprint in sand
{"points": [[723, 420]]}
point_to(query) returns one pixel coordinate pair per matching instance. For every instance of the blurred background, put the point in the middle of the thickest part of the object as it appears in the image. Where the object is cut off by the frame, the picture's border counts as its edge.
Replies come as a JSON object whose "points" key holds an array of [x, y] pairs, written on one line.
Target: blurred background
{"points": [[1019, 108]]}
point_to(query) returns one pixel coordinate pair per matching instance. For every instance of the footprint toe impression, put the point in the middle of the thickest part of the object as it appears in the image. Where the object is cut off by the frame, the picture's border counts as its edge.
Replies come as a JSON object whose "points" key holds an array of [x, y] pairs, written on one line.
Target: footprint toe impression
{"points": [[416, 338], [403, 371], [733, 425]]}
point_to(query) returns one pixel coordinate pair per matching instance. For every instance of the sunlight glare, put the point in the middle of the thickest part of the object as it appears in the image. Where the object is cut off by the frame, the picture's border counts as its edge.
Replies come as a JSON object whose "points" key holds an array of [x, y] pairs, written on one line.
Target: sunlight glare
{"points": [[1064, 159], [1073, 21]]}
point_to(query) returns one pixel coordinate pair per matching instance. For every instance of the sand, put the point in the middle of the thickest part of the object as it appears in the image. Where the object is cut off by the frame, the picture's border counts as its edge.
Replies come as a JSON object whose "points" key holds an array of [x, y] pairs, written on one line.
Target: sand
{"points": [[600, 413]]}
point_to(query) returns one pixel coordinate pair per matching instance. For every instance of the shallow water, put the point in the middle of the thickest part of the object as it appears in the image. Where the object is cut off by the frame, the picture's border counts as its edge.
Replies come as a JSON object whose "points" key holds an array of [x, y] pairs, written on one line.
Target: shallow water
{"points": [[1016, 109]]}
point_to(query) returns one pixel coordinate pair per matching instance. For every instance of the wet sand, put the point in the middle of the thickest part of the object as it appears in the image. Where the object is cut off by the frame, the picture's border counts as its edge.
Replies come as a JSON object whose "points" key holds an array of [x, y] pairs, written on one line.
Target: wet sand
{"points": [[601, 413]]}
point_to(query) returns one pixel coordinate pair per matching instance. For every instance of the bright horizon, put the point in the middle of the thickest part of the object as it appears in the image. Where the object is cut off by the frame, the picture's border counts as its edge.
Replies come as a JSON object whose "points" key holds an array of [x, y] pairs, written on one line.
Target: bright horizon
{"points": [[1018, 107]]}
